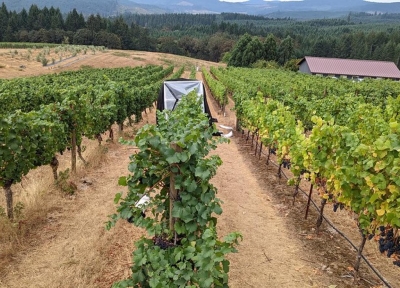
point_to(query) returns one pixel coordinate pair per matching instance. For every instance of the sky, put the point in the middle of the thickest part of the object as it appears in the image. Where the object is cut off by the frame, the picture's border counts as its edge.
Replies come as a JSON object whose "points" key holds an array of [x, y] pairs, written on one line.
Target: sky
{"points": [[376, 1]]}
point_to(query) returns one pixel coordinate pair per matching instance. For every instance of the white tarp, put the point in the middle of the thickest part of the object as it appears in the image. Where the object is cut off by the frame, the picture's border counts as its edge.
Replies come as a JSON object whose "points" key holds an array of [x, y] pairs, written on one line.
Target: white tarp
{"points": [[174, 90]]}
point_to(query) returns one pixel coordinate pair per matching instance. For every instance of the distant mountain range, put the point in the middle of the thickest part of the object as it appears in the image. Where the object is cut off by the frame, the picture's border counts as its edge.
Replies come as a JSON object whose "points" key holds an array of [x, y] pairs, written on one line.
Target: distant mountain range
{"points": [[256, 7]]}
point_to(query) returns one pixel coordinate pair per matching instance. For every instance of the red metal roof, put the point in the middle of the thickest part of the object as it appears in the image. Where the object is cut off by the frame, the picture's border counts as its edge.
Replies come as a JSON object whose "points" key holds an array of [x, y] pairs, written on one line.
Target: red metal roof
{"points": [[365, 68]]}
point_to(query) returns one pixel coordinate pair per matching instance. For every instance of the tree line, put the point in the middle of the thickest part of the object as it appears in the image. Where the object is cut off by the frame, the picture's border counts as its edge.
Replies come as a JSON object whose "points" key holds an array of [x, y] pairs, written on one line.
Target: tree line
{"points": [[213, 37], [356, 35], [49, 25]]}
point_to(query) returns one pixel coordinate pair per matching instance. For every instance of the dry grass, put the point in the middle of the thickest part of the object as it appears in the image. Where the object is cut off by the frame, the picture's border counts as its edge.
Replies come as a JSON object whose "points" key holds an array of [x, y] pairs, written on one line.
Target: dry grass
{"points": [[30, 192], [28, 62], [138, 58], [13, 61], [121, 54], [39, 194]]}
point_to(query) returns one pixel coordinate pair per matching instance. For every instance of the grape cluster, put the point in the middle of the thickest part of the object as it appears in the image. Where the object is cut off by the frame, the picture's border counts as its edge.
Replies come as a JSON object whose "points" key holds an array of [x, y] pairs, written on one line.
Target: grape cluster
{"points": [[337, 205], [388, 243], [162, 242], [286, 163], [272, 150]]}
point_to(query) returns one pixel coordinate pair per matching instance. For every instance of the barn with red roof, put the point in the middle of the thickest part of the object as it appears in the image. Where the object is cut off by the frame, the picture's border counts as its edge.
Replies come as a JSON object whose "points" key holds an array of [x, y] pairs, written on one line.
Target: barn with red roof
{"points": [[349, 68]]}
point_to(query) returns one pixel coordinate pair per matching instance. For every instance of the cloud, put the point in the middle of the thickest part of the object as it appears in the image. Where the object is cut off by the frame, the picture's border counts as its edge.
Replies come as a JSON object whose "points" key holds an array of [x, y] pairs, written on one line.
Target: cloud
{"points": [[383, 1], [242, 1], [234, 1]]}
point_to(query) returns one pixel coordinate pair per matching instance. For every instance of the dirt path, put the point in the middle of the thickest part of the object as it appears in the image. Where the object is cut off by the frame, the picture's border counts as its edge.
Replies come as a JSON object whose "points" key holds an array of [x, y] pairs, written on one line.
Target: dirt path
{"points": [[74, 250], [280, 248], [267, 249]]}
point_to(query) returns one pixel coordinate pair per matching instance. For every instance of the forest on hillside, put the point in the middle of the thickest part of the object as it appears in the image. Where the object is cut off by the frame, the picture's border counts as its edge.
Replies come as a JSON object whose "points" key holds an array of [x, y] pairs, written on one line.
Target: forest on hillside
{"points": [[211, 36]]}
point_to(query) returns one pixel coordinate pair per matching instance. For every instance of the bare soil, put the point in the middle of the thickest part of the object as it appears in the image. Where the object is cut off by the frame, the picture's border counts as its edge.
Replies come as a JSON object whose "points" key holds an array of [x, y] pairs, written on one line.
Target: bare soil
{"points": [[69, 247], [14, 65]]}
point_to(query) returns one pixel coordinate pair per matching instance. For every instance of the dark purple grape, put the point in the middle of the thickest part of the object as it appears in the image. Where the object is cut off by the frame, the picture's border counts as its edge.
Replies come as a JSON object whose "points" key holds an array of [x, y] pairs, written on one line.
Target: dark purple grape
{"points": [[391, 251], [162, 243], [381, 245], [335, 206]]}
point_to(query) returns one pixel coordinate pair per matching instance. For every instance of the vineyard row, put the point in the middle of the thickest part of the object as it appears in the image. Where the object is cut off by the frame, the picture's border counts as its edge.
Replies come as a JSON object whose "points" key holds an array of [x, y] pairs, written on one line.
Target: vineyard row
{"points": [[45, 115], [349, 154]]}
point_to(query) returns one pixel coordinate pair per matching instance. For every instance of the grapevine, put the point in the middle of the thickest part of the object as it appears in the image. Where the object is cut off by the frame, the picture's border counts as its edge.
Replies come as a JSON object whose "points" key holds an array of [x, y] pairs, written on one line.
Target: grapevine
{"points": [[173, 169]]}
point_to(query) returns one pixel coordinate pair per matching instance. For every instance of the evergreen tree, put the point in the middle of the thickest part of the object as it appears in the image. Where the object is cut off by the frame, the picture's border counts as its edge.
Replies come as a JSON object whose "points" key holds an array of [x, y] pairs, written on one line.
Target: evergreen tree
{"points": [[13, 22], [378, 53], [322, 48], [33, 18], [270, 48], [388, 53], [45, 18], [120, 28], [95, 23], [141, 39], [254, 51], [56, 19], [359, 47], [238, 50], [9, 35], [3, 20], [74, 21], [23, 19], [344, 47], [285, 50]]}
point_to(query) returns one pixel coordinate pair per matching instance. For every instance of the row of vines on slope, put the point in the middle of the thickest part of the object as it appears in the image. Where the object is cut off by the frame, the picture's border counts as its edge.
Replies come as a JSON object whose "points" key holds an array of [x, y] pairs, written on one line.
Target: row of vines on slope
{"points": [[217, 89], [172, 169], [45, 115], [352, 158]]}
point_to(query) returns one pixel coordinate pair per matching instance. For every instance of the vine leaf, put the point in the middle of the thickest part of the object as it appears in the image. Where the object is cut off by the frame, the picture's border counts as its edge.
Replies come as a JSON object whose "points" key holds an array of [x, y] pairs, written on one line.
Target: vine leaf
{"points": [[122, 181]]}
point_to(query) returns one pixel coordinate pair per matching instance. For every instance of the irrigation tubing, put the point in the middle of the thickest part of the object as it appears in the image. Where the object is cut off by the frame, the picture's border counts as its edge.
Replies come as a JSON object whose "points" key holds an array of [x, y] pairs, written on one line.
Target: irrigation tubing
{"points": [[336, 229]]}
